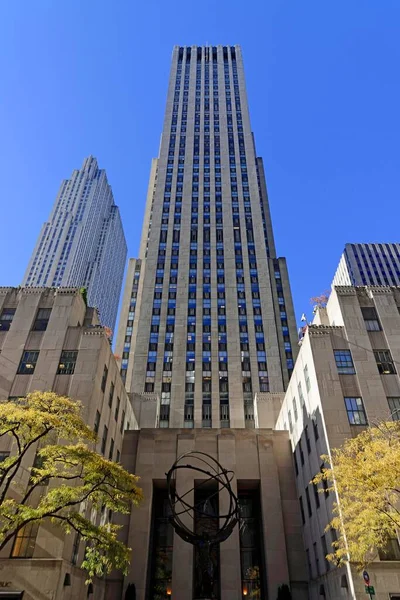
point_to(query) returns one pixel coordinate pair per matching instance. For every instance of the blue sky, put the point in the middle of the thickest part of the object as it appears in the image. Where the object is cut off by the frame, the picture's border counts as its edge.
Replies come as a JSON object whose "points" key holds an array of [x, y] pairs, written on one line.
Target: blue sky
{"points": [[90, 77]]}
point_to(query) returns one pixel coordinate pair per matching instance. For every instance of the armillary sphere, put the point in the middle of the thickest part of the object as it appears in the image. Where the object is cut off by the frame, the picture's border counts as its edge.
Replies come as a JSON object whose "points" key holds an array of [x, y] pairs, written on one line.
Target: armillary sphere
{"points": [[214, 482]]}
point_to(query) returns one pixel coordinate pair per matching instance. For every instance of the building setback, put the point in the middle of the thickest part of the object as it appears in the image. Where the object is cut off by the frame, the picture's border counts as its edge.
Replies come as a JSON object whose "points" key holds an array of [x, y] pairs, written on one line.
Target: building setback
{"points": [[345, 377], [83, 242], [369, 264], [207, 317], [51, 341]]}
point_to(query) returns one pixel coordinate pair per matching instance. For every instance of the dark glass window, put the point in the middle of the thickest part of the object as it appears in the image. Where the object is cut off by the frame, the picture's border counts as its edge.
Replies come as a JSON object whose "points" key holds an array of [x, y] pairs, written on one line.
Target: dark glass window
{"points": [[316, 495], [111, 394], [104, 379], [251, 552], [104, 439], [384, 362], [308, 502], [344, 362], [160, 555], [67, 363], [303, 517], [28, 362], [42, 319], [96, 422], [25, 540], [6, 318], [355, 411], [371, 318]]}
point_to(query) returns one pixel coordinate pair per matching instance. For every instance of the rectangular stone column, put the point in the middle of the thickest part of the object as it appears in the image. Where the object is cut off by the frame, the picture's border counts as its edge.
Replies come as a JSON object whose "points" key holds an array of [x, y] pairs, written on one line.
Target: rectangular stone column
{"points": [[140, 521], [182, 563], [272, 518], [230, 549]]}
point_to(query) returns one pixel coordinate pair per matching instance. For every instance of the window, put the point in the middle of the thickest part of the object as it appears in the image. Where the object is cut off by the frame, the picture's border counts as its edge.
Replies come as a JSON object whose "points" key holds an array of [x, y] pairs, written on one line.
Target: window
{"points": [[344, 362], [371, 319], [104, 439], [316, 495], [42, 319], [290, 421], [117, 409], [316, 558], [66, 366], [6, 318], [111, 395], [301, 397], [308, 443], [104, 379], [325, 552], [355, 411], [384, 362], [296, 466], [394, 405], [295, 409], [28, 362], [111, 452], [118, 456], [324, 482], [96, 422], [308, 502], [303, 517], [315, 427], [307, 378], [75, 549], [24, 544], [391, 550], [301, 453], [3, 456], [122, 422]]}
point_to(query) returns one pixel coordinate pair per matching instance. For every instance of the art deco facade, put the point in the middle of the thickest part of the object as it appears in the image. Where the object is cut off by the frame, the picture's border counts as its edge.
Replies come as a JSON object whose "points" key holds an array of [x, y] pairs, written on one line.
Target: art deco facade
{"points": [[207, 318], [346, 376], [83, 243], [369, 264], [50, 341]]}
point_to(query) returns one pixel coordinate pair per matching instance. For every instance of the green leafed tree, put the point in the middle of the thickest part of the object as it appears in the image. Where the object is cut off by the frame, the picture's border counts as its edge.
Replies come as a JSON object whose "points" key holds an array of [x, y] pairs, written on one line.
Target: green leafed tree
{"points": [[68, 484], [365, 473]]}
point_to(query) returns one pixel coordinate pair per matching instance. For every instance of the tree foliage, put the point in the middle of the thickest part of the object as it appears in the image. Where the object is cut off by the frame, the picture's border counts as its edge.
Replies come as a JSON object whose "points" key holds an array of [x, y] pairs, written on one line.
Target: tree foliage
{"points": [[365, 474], [70, 484], [322, 300]]}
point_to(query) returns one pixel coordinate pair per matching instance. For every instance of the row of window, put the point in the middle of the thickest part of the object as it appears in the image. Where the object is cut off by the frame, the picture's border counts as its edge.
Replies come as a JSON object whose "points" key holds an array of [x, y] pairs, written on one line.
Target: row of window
{"points": [[40, 323]]}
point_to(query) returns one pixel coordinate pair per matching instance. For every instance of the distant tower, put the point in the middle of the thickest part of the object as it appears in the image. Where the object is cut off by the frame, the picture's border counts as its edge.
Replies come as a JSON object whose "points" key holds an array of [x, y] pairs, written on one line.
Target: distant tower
{"points": [[83, 242], [207, 317], [369, 264]]}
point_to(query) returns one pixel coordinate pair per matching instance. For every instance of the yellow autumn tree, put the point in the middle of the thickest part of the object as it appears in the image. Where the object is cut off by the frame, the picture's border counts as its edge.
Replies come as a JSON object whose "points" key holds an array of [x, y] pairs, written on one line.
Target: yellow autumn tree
{"points": [[365, 474], [67, 475]]}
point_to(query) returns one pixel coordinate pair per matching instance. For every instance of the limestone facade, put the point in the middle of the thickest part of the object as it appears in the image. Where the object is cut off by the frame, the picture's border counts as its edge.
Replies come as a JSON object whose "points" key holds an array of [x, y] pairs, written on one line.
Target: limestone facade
{"points": [[356, 321], [261, 459], [71, 326]]}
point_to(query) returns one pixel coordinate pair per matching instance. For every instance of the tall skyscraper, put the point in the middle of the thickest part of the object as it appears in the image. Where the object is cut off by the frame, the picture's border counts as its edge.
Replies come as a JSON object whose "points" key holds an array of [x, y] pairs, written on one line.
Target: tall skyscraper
{"points": [[369, 264], [207, 318], [83, 242]]}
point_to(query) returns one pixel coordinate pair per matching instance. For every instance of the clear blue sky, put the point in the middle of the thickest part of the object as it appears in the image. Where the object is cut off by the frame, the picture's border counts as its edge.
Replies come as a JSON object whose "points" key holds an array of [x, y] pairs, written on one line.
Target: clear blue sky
{"points": [[90, 77]]}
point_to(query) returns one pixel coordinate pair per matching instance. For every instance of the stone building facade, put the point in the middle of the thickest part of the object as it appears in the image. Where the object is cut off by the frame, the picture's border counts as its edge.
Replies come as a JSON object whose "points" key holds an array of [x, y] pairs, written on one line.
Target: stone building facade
{"points": [[50, 340], [346, 376], [263, 474]]}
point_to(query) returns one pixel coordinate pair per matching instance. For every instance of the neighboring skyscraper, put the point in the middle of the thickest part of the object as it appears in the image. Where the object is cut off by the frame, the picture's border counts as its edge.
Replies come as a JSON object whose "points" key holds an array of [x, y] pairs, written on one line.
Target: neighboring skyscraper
{"points": [[369, 264], [83, 243], [207, 318], [346, 376]]}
